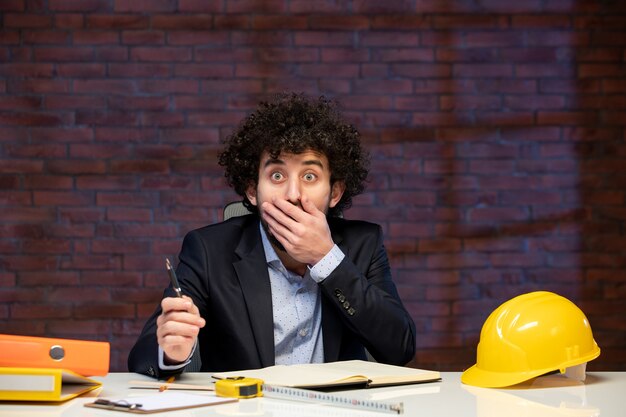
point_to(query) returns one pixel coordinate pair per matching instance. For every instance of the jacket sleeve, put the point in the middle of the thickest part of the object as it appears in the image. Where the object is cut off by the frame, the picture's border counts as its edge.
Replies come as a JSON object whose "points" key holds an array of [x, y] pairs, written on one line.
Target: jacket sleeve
{"points": [[365, 297], [143, 357]]}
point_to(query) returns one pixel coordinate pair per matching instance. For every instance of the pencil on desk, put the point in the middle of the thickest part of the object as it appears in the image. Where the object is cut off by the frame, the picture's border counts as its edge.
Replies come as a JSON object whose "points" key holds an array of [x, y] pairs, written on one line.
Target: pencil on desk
{"points": [[173, 386], [169, 381]]}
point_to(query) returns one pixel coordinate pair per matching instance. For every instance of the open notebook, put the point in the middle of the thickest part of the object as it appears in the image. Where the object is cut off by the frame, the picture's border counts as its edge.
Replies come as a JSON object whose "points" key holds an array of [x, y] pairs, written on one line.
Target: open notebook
{"points": [[335, 374]]}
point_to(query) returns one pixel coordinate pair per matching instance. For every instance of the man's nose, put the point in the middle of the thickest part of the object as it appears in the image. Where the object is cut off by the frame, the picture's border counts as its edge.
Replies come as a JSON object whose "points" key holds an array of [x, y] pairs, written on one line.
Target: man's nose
{"points": [[293, 191]]}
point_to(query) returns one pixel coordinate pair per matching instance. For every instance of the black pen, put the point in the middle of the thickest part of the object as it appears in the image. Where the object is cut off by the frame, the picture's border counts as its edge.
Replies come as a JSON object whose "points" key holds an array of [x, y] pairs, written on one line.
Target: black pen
{"points": [[173, 278]]}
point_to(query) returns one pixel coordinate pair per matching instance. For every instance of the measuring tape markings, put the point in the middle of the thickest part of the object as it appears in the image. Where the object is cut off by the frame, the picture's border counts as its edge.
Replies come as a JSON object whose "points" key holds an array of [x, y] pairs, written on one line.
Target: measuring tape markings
{"points": [[242, 387], [272, 391]]}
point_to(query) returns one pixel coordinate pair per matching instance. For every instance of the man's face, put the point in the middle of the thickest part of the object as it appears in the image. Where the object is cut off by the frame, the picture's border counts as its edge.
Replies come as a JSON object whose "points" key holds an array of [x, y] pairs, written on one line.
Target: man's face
{"points": [[291, 176]]}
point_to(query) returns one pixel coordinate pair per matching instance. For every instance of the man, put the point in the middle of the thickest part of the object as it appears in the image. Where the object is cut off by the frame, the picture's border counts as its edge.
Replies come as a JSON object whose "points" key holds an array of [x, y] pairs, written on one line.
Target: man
{"points": [[293, 282]]}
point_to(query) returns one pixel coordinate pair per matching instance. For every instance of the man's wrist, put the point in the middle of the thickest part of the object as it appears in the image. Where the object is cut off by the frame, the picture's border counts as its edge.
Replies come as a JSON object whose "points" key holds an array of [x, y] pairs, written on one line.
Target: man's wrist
{"points": [[322, 269], [167, 365]]}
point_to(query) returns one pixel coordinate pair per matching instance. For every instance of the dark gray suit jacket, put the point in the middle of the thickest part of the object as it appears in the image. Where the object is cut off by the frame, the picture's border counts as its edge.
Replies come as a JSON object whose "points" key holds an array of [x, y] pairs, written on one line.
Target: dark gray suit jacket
{"points": [[223, 269]]}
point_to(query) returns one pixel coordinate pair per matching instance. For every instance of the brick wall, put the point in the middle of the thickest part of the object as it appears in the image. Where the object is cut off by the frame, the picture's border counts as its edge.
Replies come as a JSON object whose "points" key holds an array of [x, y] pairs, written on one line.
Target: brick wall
{"points": [[497, 131]]}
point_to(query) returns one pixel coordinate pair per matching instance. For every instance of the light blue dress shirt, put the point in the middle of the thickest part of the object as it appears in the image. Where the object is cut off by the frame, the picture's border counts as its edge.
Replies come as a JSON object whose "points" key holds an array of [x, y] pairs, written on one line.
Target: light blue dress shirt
{"points": [[296, 306]]}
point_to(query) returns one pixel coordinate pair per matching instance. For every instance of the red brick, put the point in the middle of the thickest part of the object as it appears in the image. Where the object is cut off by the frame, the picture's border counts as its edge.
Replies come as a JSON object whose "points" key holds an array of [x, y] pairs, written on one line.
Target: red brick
{"points": [[40, 311], [345, 22], [7, 280], [198, 22], [544, 22], [62, 198], [232, 22], [200, 6], [46, 278], [27, 70], [114, 246], [267, 6], [9, 182], [117, 21], [61, 54], [129, 214], [282, 22], [17, 102], [132, 70], [84, 294], [482, 70], [27, 20], [145, 37], [42, 86], [104, 311], [76, 167], [27, 214], [78, 329], [558, 38], [90, 37], [69, 20], [79, 5], [106, 118], [127, 199], [137, 297], [72, 102], [497, 214], [12, 5], [401, 21], [494, 38], [144, 6]]}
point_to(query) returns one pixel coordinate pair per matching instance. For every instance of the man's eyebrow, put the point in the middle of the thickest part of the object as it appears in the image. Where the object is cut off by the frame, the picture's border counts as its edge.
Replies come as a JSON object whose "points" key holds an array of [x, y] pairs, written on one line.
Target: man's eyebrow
{"points": [[313, 162], [273, 161], [276, 161]]}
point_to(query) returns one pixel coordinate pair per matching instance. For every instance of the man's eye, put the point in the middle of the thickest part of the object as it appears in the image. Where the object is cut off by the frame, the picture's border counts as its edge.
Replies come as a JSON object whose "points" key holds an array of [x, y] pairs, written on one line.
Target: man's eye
{"points": [[277, 176], [310, 177]]}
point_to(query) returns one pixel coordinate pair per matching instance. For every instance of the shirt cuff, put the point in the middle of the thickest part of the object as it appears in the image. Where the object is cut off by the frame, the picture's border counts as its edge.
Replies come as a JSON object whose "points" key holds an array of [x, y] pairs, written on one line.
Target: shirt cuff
{"points": [[321, 270], [177, 366]]}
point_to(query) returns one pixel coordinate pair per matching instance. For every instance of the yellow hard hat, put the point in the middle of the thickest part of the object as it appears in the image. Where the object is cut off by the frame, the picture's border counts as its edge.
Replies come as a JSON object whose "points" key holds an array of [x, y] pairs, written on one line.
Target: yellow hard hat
{"points": [[528, 336]]}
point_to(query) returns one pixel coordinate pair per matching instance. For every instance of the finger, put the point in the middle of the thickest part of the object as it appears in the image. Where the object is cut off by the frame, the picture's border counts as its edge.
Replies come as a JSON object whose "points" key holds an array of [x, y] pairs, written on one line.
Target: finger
{"points": [[192, 308], [289, 209], [309, 207], [290, 232], [178, 328], [278, 214], [181, 317], [176, 304]]}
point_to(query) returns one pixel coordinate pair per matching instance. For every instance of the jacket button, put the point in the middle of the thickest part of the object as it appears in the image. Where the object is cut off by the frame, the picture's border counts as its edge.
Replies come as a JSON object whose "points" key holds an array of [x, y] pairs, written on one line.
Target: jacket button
{"points": [[341, 298], [346, 305], [351, 311]]}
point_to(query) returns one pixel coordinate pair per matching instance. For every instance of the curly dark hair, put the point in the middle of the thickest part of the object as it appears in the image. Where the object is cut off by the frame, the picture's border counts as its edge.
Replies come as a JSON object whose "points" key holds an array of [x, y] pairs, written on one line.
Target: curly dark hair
{"points": [[292, 123]]}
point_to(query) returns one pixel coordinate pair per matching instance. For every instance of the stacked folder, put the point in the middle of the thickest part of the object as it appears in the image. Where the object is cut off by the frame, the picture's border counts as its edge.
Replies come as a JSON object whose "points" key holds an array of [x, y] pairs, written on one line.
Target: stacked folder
{"points": [[49, 369]]}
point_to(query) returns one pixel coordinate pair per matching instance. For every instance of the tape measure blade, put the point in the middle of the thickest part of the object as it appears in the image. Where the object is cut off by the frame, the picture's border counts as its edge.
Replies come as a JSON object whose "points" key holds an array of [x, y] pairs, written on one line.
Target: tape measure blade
{"points": [[299, 394]]}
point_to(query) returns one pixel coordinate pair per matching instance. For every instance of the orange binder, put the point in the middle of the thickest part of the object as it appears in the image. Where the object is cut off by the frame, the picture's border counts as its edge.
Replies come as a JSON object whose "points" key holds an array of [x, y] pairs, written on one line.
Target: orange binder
{"points": [[84, 357]]}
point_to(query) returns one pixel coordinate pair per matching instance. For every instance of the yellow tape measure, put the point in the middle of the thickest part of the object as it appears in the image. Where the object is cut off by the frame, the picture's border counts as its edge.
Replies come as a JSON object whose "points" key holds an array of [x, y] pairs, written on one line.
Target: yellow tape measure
{"points": [[242, 387], [239, 387]]}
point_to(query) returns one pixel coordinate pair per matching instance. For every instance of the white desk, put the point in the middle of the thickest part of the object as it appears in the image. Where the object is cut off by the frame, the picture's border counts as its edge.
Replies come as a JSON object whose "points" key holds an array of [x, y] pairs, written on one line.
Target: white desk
{"points": [[603, 394]]}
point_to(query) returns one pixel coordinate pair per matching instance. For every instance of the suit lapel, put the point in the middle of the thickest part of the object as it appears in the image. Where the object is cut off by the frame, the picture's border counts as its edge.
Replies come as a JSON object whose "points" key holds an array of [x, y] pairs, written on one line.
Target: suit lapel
{"points": [[253, 277]]}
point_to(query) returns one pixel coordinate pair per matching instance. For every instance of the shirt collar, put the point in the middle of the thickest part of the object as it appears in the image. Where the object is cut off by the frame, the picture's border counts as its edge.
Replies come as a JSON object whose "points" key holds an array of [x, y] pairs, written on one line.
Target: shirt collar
{"points": [[270, 253], [273, 261]]}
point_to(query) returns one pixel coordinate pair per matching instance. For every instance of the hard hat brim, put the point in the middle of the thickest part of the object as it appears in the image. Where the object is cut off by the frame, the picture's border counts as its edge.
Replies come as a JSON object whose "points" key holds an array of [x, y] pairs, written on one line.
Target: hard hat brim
{"points": [[487, 379]]}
